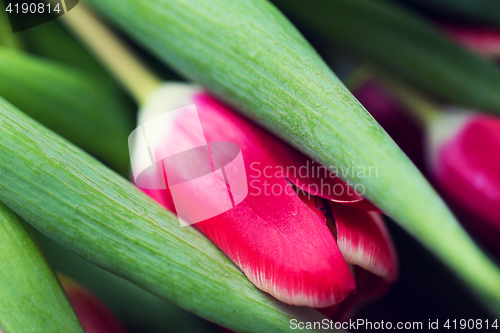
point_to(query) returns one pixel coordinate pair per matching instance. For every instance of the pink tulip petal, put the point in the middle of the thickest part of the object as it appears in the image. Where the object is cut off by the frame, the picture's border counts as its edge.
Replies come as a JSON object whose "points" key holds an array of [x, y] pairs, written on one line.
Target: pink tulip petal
{"points": [[319, 206], [333, 189], [162, 197], [295, 166], [282, 246], [364, 241], [467, 169], [369, 287], [283, 249]]}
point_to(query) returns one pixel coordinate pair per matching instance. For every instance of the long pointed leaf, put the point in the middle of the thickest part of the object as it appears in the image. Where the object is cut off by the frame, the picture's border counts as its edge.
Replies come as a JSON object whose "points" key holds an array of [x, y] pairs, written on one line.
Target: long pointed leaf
{"points": [[247, 53], [31, 298], [7, 37], [53, 41], [74, 200], [70, 103]]}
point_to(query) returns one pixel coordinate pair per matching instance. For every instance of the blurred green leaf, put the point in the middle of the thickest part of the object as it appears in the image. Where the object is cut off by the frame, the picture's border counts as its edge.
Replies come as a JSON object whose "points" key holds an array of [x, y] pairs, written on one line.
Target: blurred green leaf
{"points": [[77, 202], [247, 53], [31, 296], [69, 102], [53, 41], [402, 43], [7, 37]]}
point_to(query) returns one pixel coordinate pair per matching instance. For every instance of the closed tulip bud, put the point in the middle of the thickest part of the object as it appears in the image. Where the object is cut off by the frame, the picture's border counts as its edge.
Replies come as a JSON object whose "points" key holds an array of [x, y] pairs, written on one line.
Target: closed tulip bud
{"points": [[462, 159], [298, 232]]}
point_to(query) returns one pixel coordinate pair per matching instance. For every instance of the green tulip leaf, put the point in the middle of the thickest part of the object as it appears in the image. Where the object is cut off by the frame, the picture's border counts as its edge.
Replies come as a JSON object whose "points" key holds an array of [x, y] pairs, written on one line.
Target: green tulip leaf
{"points": [[403, 44], [31, 296], [7, 37], [51, 40], [70, 103]]}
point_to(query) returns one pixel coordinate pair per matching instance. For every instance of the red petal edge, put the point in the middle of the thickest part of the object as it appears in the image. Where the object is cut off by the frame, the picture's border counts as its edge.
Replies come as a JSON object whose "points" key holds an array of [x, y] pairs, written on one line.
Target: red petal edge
{"points": [[364, 241]]}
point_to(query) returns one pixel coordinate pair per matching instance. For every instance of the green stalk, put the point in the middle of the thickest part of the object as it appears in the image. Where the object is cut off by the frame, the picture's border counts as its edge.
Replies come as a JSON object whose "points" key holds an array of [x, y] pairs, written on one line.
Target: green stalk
{"points": [[70, 103], [113, 53], [420, 107], [77, 202], [31, 296], [51, 40], [403, 44], [248, 54]]}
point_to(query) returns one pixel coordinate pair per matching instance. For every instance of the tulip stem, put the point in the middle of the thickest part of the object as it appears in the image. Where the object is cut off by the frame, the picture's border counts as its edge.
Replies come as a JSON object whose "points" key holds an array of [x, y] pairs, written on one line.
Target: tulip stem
{"points": [[113, 53], [419, 106]]}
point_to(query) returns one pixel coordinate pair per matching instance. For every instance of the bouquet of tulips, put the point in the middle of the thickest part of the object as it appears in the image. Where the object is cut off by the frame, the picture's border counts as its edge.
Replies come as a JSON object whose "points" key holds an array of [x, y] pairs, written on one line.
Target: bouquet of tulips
{"points": [[253, 166]]}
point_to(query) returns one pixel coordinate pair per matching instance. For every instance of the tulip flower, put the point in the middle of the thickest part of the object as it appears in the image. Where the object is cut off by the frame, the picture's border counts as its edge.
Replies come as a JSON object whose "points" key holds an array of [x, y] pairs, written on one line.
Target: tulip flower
{"points": [[300, 230], [463, 161], [94, 316], [483, 41]]}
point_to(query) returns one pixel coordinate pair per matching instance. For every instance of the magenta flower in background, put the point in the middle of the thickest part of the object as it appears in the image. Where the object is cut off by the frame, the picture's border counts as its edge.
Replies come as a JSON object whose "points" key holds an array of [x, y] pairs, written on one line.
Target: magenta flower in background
{"points": [[93, 315], [481, 40], [301, 234], [466, 166], [462, 156]]}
